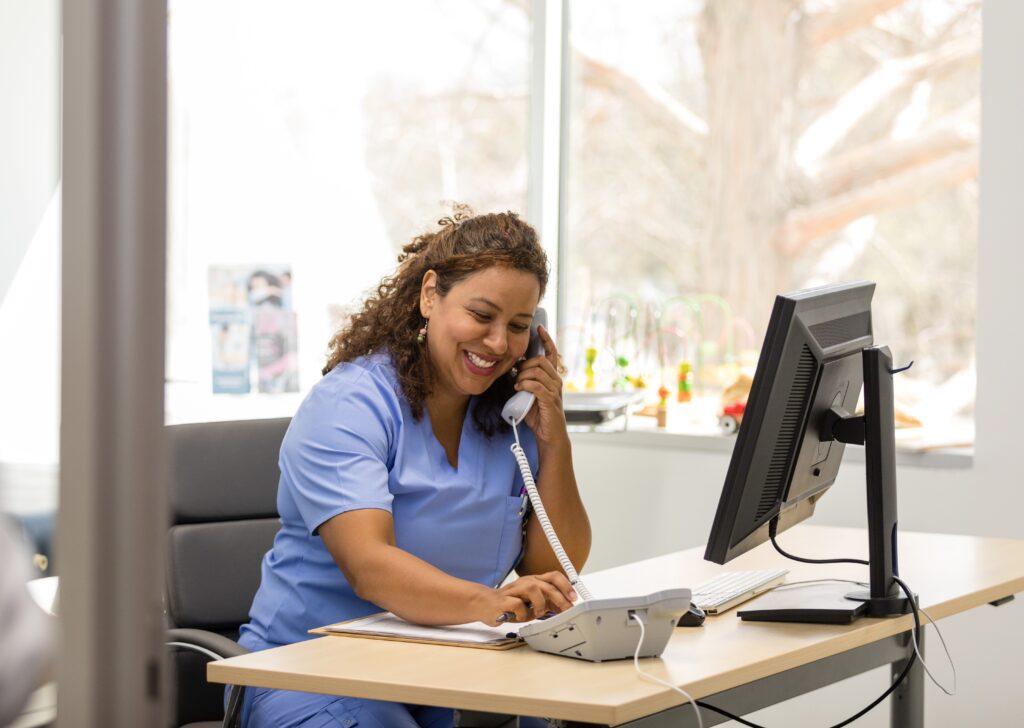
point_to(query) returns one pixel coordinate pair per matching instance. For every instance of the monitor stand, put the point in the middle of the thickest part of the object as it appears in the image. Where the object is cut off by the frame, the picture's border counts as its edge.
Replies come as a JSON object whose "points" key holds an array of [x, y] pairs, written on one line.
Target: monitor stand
{"points": [[835, 602]]}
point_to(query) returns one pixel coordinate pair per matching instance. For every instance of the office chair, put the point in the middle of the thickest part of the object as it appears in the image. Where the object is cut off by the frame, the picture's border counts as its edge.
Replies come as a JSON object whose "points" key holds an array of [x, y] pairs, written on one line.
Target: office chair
{"points": [[223, 503]]}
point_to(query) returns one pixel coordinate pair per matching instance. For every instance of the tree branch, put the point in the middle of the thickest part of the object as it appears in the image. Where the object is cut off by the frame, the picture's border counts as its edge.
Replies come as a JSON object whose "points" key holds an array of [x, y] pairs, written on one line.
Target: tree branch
{"points": [[651, 97], [888, 157], [805, 224], [831, 127], [823, 27]]}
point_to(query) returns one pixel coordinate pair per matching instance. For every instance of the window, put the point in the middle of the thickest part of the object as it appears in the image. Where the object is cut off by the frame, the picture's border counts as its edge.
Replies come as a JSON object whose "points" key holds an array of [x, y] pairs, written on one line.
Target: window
{"points": [[718, 153], [30, 223], [308, 141], [724, 151]]}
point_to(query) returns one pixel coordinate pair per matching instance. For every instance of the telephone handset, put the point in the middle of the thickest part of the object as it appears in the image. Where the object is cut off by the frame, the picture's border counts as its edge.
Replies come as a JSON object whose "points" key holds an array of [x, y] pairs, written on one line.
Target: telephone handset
{"points": [[519, 404], [593, 629]]}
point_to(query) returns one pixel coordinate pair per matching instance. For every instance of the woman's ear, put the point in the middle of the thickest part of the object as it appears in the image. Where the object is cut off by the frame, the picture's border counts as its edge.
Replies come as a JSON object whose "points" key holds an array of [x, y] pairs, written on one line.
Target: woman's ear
{"points": [[428, 292]]}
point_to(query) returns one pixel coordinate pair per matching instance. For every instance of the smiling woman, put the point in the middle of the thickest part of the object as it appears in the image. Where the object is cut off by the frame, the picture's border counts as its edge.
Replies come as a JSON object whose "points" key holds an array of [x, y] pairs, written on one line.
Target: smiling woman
{"points": [[396, 468], [480, 329], [500, 247]]}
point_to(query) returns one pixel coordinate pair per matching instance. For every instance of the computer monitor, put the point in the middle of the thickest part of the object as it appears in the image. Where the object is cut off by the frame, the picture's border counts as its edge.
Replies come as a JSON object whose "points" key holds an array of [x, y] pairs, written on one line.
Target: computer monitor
{"points": [[818, 352]]}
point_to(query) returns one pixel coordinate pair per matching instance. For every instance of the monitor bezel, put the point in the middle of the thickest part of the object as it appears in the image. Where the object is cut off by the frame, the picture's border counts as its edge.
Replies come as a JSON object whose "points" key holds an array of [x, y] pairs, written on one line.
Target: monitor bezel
{"points": [[788, 330]]}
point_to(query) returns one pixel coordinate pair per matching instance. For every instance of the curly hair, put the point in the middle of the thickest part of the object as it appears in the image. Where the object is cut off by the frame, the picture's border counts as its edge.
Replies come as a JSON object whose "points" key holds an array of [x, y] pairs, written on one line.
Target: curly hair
{"points": [[389, 319]]}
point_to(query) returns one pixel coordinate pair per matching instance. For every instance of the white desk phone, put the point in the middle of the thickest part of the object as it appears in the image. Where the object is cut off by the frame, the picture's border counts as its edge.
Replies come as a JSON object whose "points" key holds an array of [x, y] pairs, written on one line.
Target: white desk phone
{"points": [[593, 629]]}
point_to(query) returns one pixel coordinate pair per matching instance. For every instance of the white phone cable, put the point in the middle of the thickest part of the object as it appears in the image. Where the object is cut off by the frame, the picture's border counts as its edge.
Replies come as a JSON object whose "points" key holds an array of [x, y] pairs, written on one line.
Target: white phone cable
{"points": [[651, 678], [545, 523]]}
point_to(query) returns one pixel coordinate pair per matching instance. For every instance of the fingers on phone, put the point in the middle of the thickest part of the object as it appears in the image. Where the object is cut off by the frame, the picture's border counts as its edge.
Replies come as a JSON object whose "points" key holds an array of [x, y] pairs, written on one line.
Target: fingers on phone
{"points": [[551, 351], [544, 375], [538, 596], [555, 594], [560, 582]]}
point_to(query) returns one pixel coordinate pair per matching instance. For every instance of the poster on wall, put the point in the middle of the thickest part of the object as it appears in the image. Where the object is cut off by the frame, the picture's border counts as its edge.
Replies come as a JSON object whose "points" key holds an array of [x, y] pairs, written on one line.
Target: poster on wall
{"points": [[253, 329]]}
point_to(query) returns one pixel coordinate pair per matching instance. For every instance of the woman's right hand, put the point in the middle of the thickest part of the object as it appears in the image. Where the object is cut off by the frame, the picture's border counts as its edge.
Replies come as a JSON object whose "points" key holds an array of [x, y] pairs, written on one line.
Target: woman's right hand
{"points": [[528, 598]]}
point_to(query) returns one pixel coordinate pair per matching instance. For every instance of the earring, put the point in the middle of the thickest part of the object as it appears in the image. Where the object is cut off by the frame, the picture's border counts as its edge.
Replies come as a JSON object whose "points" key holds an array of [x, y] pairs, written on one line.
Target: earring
{"points": [[422, 335], [514, 371]]}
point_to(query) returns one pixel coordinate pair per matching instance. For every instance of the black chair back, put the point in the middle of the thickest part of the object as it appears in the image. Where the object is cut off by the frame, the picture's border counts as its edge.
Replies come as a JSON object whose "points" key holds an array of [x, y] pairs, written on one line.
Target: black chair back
{"points": [[223, 503]]}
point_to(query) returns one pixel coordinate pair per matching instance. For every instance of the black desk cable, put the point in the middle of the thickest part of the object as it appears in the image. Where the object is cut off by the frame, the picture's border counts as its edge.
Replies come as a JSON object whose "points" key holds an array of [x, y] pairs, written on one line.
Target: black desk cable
{"points": [[896, 683]]}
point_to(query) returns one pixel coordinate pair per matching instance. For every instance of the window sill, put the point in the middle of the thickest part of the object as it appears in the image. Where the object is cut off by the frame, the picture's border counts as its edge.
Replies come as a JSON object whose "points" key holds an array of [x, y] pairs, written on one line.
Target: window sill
{"points": [[639, 432]]}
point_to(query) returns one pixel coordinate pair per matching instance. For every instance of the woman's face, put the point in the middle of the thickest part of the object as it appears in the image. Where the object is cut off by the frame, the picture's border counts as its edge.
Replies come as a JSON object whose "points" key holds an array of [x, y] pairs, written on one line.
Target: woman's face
{"points": [[480, 329]]}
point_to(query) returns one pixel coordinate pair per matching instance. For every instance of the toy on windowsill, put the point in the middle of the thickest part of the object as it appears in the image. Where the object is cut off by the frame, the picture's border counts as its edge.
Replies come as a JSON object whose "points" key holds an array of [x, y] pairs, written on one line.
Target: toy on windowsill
{"points": [[731, 417], [734, 403], [658, 410], [591, 357], [684, 390], [662, 412], [622, 379]]}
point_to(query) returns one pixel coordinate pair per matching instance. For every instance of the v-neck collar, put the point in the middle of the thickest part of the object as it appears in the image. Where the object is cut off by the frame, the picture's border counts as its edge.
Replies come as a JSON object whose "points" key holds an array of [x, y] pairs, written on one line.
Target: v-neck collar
{"points": [[434, 445]]}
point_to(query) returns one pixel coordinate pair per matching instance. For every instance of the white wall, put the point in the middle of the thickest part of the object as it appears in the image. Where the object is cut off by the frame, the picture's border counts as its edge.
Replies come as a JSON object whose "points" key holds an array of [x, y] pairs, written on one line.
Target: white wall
{"points": [[649, 500]]}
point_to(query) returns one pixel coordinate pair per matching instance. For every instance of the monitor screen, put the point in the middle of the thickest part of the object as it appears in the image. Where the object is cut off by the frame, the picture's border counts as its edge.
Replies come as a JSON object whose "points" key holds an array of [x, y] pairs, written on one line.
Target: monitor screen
{"points": [[782, 462]]}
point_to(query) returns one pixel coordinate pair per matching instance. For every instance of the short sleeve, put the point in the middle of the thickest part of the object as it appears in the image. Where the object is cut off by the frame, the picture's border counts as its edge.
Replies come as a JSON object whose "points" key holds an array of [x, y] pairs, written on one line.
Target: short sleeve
{"points": [[336, 455]]}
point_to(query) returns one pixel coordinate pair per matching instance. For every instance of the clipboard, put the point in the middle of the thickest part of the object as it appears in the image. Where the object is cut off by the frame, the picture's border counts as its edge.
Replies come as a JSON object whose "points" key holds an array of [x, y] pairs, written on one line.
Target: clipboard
{"points": [[387, 626]]}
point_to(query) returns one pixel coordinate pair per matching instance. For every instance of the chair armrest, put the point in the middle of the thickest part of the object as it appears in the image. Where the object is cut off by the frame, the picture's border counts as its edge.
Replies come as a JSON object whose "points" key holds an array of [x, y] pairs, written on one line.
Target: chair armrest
{"points": [[213, 645]]}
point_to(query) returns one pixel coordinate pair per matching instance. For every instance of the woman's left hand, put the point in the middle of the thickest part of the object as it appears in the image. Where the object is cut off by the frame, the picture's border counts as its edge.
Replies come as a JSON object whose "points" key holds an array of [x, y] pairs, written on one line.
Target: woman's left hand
{"points": [[540, 376]]}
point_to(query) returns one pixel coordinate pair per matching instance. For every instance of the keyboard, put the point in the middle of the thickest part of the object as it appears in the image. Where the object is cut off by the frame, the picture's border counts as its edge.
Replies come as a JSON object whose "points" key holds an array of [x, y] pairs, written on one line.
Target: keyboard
{"points": [[730, 588]]}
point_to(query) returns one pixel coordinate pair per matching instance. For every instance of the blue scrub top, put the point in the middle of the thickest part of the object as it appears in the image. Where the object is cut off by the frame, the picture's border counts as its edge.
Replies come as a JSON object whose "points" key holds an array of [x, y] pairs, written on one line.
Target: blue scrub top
{"points": [[354, 444]]}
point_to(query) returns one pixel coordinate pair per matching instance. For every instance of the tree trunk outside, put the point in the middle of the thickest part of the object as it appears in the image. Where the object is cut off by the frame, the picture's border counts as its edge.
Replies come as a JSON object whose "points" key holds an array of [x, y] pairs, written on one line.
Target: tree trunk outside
{"points": [[750, 50]]}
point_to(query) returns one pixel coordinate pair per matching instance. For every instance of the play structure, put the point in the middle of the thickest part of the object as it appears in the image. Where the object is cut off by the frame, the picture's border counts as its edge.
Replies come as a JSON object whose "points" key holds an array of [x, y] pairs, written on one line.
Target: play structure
{"points": [[681, 353]]}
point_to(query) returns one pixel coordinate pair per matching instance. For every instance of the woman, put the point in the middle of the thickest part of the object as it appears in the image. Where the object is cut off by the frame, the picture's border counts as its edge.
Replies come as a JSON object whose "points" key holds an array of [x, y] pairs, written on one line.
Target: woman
{"points": [[396, 469]]}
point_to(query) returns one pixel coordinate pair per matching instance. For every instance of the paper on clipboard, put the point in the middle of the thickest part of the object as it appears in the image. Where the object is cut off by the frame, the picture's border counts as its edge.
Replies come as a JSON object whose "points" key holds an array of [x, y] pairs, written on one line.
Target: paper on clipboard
{"points": [[387, 626]]}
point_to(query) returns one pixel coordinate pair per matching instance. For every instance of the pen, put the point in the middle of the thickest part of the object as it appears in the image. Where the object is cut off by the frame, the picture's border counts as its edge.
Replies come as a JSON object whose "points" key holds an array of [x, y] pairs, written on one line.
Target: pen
{"points": [[506, 617]]}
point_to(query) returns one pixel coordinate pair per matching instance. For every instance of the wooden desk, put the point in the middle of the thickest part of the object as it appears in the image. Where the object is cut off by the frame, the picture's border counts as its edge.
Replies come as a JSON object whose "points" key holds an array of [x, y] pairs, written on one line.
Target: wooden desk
{"points": [[739, 666]]}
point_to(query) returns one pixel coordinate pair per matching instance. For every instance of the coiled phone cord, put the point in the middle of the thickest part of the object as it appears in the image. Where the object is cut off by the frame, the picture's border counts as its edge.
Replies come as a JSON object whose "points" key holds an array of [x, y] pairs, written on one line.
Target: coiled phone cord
{"points": [[545, 523]]}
